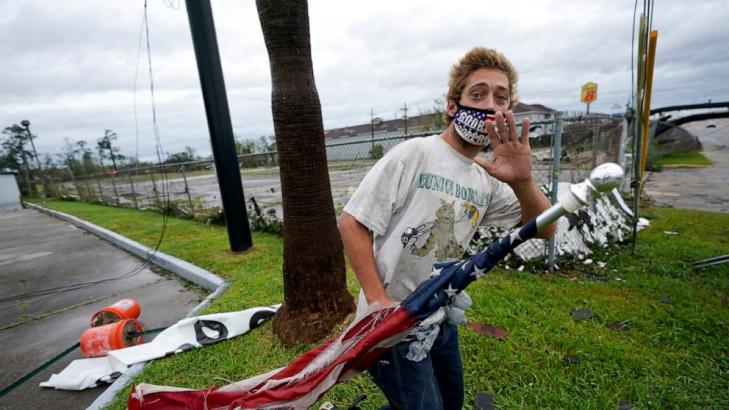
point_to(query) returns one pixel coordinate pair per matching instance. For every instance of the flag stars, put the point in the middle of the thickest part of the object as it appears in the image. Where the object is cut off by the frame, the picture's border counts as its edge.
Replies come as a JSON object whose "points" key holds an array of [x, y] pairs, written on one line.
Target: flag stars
{"points": [[514, 236], [450, 291], [436, 272], [477, 273]]}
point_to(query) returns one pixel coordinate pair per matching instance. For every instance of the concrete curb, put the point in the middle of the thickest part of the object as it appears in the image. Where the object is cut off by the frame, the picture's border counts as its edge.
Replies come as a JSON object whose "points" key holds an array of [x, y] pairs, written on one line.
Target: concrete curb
{"points": [[186, 270]]}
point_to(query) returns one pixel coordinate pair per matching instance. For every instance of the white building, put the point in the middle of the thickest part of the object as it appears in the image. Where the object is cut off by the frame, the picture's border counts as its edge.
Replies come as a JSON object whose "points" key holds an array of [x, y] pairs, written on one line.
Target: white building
{"points": [[9, 192]]}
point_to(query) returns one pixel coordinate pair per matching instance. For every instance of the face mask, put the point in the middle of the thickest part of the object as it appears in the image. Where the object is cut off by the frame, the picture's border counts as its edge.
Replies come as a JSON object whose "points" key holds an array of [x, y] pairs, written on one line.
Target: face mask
{"points": [[470, 124]]}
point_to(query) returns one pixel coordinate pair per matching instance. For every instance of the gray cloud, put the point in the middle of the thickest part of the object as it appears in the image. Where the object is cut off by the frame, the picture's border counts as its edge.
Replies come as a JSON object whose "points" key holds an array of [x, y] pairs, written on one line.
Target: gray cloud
{"points": [[69, 67]]}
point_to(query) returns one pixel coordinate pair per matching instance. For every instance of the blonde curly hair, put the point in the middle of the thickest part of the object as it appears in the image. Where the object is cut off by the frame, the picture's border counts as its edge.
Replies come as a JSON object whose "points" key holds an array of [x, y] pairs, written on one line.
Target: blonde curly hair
{"points": [[479, 57]]}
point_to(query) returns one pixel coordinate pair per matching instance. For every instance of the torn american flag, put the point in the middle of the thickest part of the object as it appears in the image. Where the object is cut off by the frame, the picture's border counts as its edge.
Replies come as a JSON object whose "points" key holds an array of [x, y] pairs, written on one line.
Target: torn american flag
{"points": [[302, 382]]}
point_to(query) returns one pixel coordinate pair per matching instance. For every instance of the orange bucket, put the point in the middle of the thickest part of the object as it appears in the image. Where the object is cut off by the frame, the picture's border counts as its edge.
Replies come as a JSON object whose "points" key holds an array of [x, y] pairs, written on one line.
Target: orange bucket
{"points": [[97, 341], [123, 309]]}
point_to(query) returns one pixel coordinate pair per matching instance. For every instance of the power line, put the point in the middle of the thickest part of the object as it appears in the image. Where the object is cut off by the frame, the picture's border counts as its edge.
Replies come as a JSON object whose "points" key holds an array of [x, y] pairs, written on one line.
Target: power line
{"points": [[158, 143], [632, 60], [134, 93], [35, 296]]}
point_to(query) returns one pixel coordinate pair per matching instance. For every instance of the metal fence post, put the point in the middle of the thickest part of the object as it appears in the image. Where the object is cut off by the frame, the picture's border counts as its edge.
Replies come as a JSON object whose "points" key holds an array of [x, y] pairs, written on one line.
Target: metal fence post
{"points": [[187, 190], [89, 192], [74, 183], [595, 142], [134, 194], [101, 192], [116, 193], [156, 194], [51, 185], [556, 152]]}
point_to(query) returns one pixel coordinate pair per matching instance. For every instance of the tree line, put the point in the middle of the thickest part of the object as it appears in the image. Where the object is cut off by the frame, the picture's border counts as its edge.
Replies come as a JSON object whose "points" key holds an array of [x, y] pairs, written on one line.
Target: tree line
{"points": [[78, 158]]}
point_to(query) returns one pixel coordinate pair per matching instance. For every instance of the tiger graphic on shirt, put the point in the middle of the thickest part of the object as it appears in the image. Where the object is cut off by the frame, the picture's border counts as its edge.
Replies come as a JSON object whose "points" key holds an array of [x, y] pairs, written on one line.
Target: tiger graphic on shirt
{"points": [[442, 237]]}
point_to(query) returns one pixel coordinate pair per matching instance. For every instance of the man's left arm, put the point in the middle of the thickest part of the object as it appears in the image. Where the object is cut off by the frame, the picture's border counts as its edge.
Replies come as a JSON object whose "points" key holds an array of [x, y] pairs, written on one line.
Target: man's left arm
{"points": [[512, 164]]}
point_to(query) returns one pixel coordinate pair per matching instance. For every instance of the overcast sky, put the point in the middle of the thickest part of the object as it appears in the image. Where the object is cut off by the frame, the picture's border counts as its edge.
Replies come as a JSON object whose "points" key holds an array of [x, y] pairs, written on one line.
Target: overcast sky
{"points": [[69, 67]]}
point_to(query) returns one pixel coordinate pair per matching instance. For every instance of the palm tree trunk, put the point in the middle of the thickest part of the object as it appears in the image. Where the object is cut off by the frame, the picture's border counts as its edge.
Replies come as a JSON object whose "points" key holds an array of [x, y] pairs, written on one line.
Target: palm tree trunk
{"points": [[315, 293]]}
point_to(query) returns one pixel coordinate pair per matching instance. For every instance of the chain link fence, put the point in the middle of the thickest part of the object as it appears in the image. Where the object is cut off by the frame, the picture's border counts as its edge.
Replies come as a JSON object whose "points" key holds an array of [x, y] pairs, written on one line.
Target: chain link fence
{"points": [[565, 153], [579, 142]]}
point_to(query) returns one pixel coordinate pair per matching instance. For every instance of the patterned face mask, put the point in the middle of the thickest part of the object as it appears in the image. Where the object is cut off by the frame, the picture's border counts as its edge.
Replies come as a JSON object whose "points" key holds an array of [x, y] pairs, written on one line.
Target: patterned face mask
{"points": [[470, 124]]}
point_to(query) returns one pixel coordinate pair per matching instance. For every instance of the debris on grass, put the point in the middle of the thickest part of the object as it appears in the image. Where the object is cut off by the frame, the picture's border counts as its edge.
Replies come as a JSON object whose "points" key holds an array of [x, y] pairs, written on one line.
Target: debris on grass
{"points": [[483, 401], [667, 299], [617, 326], [581, 314], [595, 276], [570, 359], [489, 330]]}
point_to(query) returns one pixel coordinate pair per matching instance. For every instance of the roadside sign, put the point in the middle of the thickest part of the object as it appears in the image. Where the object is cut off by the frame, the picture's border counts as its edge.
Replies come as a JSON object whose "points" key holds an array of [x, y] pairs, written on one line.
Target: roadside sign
{"points": [[589, 93]]}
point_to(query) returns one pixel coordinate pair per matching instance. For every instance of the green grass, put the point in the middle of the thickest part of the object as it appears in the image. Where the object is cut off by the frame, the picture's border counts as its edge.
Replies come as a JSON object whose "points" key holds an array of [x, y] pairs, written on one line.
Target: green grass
{"points": [[690, 159], [671, 356]]}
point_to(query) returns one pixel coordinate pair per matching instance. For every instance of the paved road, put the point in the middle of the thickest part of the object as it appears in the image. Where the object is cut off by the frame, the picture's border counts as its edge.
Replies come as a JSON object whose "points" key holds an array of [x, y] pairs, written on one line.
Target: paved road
{"points": [[697, 188], [41, 252]]}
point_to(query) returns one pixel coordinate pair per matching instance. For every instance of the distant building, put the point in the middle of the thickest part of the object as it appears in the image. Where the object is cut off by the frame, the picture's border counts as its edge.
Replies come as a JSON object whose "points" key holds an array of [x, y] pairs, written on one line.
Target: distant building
{"points": [[535, 112]]}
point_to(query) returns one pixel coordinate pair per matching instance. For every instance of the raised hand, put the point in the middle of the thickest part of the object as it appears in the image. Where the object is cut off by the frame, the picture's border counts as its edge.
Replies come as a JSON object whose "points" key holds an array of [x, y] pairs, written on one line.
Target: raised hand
{"points": [[512, 161]]}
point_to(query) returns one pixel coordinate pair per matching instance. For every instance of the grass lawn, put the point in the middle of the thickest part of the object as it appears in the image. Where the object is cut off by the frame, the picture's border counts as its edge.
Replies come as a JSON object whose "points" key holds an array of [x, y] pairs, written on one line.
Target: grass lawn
{"points": [[673, 352], [691, 159]]}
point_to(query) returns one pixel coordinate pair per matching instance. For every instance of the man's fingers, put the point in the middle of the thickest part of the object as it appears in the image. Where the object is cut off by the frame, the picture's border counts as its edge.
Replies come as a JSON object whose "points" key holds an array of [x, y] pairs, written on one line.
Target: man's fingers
{"points": [[491, 132], [511, 120], [501, 126]]}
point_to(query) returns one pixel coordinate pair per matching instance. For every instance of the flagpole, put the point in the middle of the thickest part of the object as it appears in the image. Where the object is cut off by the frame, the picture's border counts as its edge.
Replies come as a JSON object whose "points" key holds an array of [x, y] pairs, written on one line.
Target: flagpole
{"points": [[602, 179], [304, 380]]}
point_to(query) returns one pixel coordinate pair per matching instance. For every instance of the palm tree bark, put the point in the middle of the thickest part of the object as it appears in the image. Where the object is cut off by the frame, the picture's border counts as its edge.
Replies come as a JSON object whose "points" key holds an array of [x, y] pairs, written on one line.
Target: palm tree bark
{"points": [[315, 292]]}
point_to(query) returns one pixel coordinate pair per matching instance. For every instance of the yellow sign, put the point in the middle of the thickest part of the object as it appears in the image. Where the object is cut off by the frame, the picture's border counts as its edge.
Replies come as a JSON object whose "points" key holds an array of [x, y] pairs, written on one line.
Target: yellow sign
{"points": [[589, 93]]}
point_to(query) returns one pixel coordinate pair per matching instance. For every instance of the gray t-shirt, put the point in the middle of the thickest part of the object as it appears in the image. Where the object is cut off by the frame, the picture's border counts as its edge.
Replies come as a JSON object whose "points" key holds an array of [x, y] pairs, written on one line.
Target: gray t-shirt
{"points": [[424, 201]]}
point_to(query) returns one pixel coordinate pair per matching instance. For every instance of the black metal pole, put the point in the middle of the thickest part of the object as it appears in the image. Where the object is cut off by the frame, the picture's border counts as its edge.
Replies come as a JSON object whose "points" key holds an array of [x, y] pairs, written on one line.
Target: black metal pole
{"points": [[205, 43]]}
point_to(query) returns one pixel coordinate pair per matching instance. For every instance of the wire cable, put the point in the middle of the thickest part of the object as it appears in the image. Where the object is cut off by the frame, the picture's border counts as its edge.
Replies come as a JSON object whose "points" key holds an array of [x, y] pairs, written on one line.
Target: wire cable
{"points": [[158, 143], [34, 296], [631, 102], [134, 95], [60, 356]]}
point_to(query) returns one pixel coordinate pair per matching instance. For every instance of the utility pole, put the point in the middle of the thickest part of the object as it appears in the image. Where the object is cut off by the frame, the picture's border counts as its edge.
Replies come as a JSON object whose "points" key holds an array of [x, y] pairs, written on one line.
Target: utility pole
{"points": [[26, 124], [212, 83], [405, 110], [46, 182], [26, 165]]}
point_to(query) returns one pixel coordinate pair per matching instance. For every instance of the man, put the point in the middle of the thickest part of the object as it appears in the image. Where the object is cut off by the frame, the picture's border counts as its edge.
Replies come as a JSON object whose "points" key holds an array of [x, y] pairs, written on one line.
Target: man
{"points": [[423, 202]]}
